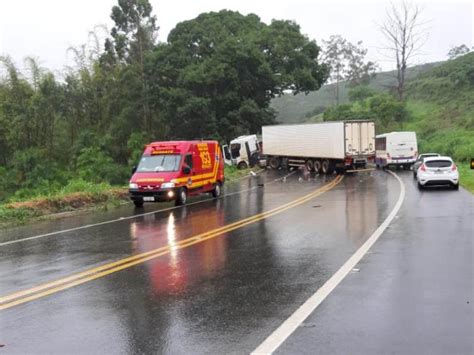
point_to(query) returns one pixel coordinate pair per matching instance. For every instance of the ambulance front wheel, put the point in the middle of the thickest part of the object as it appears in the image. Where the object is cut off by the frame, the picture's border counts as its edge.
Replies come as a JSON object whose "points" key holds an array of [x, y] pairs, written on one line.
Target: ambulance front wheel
{"points": [[181, 197], [138, 203]]}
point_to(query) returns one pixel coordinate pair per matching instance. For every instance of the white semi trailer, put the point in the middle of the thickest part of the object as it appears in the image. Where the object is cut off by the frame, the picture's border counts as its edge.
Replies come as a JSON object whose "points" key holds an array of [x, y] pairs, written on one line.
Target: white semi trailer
{"points": [[322, 147]]}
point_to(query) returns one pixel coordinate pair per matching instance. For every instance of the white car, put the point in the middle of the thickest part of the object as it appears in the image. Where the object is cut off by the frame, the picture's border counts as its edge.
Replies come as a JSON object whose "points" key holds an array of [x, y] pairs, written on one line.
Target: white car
{"points": [[438, 171]]}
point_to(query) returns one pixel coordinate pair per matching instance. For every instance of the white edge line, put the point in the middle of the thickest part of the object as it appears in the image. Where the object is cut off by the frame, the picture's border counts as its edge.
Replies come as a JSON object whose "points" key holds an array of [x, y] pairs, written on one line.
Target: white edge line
{"points": [[120, 219], [289, 325]]}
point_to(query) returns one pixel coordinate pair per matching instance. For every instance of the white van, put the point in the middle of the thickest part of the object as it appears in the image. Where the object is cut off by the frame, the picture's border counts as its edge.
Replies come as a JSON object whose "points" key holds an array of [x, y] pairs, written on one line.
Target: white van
{"points": [[396, 149]]}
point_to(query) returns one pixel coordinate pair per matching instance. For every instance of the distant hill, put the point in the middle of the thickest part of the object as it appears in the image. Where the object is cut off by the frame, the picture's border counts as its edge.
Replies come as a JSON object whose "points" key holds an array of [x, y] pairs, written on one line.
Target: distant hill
{"points": [[301, 108], [441, 106]]}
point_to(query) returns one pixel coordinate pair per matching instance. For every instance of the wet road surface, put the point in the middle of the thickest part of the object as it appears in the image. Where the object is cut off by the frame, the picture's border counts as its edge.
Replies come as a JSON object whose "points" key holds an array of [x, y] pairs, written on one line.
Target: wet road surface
{"points": [[221, 295], [412, 294]]}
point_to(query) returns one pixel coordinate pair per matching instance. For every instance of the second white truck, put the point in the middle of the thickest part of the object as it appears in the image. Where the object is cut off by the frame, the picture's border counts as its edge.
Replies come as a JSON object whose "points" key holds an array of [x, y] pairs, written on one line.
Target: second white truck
{"points": [[321, 147]]}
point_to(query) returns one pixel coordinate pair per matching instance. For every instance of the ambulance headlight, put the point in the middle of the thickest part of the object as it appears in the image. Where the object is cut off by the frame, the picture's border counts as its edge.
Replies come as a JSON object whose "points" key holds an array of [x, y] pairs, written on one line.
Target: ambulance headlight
{"points": [[167, 185], [132, 185]]}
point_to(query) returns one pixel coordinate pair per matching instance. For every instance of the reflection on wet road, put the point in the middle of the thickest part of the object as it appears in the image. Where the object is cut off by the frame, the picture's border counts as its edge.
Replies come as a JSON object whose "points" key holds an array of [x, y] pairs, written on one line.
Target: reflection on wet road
{"points": [[224, 294]]}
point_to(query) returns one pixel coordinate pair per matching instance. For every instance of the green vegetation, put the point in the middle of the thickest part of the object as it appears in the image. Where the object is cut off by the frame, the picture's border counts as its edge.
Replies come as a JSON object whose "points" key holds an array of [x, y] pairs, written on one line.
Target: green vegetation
{"points": [[298, 108], [232, 173], [466, 176], [439, 108], [213, 78], [442, 109], [77, 194]]}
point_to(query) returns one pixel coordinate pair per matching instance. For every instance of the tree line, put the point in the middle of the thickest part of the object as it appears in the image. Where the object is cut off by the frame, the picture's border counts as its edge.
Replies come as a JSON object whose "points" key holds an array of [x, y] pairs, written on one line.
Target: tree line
{"points": [[214, 77]]}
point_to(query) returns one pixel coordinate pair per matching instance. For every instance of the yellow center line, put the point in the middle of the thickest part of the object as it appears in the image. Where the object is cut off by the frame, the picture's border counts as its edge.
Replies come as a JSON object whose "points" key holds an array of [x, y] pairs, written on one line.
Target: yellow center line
{"points": [[106, 269]]}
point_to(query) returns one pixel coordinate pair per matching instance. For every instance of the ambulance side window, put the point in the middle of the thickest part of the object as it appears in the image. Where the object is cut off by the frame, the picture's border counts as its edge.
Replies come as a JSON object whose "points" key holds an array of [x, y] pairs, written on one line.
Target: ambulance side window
{"points": [[188, 160]]}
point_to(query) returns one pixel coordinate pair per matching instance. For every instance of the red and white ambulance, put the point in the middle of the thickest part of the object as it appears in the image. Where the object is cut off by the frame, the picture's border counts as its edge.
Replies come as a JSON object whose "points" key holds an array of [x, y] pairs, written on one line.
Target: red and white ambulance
{"points": [[177, 169]]}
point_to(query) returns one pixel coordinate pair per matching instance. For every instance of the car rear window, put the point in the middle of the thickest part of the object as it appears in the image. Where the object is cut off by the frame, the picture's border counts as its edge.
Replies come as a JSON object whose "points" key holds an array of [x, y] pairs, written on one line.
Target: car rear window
{"points": [[438, 164]]}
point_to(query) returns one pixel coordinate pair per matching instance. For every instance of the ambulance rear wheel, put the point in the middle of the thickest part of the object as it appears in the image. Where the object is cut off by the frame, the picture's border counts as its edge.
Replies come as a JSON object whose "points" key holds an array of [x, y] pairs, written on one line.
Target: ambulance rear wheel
{"points": [[217, 191], [181, 197], [138, 203]]}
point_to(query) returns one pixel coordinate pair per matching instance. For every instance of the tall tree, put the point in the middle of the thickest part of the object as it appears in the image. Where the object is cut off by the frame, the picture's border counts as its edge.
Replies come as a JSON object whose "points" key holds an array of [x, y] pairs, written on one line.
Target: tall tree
{"points": [[347, 63], [217, 74], [458, 51], [405, 35], [133, 35]]}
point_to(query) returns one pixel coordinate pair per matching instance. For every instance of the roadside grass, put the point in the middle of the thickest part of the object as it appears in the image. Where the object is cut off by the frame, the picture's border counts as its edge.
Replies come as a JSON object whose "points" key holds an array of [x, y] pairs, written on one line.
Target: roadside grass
{"points": [[76, 195], [232, 173], [466, 176]]}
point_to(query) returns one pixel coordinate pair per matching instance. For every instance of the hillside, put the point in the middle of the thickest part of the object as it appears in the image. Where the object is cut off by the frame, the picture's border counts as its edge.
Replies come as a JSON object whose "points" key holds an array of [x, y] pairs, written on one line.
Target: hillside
{"points": [[441, 106], [297, 108]]}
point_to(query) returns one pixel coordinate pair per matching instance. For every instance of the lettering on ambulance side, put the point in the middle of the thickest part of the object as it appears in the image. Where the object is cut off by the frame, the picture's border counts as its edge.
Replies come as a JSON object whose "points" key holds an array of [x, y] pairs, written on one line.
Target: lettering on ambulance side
{"points": [[204, 155]]}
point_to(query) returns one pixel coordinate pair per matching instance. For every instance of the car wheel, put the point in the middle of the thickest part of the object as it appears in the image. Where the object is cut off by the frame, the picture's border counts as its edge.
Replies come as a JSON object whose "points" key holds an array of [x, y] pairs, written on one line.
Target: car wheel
{"points": [[414, 175], [217, 191], [456, 187], [182, 197], [138, 203], [420, 186]]}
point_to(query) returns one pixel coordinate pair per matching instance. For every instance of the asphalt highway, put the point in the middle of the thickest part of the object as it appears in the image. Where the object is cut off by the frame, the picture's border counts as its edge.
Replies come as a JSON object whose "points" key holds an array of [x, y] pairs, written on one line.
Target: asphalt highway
{"points": [[219, 276]]}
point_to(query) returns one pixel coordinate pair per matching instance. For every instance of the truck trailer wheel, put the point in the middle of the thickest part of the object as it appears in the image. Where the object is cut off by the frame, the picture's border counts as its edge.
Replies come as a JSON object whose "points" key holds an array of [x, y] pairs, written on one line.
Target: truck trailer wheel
{"points": [[309, 165], [327, 167], [242, 165], [274, 163], [181, 197], [317, 166]]}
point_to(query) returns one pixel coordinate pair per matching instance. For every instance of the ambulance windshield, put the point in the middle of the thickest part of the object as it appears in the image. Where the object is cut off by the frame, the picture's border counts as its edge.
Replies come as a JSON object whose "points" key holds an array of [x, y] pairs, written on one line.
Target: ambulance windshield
{"points": [[159, 163]]}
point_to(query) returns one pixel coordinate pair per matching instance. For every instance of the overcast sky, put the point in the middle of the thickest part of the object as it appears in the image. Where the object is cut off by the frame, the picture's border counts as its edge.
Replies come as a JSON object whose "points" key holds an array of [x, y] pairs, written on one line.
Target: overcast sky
{"points": [[46, 28]]}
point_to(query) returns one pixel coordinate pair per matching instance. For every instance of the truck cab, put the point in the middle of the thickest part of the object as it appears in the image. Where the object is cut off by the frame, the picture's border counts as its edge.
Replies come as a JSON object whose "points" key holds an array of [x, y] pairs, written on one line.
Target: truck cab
{"points": [[172, 171], [242, 152]]}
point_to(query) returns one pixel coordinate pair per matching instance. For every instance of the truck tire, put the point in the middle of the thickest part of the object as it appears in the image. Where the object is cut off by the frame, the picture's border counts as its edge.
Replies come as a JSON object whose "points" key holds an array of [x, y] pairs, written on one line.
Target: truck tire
{"points": [[181, 196], [138, 203], [217, 190], [317, 166], [327, 167], [242, 165], [309, 165], [274, 163]]}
